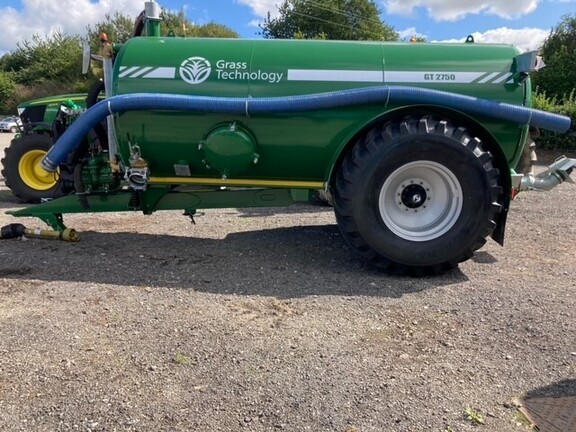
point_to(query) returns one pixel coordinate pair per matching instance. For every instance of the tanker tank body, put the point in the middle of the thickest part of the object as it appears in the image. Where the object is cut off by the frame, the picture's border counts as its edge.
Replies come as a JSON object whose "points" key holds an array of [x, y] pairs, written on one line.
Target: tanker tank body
{"points": [[296, 149]]}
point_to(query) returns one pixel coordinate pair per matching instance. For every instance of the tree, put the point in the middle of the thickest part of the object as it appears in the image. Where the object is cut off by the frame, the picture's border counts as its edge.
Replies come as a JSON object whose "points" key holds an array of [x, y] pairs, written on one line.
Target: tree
{"points": [[213, 30], [328, 19], [175, 23], [558, 79], [7, 87], [118, 27], [39, 67], [55, 57], [178, 24]]}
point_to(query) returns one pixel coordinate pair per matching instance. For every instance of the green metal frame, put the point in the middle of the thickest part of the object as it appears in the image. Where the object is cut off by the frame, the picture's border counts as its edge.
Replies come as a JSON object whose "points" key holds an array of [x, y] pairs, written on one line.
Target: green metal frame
{"points": [[160, 198]]}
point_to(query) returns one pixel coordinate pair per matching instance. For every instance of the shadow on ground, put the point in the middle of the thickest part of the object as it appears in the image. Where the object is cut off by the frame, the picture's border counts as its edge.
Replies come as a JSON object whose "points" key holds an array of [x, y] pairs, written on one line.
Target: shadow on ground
{"points": [[282, 262], [566, 387]]}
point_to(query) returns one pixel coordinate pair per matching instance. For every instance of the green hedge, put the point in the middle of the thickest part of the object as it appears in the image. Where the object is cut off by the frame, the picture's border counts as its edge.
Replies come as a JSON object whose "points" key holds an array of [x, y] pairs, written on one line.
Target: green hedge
{"points": [[552, 140]]}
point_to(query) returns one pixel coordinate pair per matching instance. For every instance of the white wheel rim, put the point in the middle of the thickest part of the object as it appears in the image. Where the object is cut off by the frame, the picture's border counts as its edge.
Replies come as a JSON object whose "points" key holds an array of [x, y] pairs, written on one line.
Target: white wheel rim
{"points": [[420, 201]]}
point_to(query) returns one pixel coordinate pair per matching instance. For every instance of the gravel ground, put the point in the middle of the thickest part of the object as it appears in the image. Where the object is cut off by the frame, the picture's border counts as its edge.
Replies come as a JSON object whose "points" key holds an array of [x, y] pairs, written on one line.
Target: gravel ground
{"points": [[265, 320]]}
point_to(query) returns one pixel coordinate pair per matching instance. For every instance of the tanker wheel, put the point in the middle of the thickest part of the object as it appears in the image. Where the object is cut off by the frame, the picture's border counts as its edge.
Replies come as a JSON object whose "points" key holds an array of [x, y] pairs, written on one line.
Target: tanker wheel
{"points": [[23, 173], [417, 196]]}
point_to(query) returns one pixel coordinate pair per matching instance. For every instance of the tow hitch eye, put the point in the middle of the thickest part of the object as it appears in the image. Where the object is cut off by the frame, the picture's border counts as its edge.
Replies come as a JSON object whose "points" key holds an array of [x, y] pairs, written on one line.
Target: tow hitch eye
{"points": [[558, 172]]}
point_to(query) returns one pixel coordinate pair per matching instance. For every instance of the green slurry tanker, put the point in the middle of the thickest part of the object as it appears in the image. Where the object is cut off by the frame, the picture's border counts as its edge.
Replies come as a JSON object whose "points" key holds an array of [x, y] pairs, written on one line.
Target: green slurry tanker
{"points": [[413, 143]]}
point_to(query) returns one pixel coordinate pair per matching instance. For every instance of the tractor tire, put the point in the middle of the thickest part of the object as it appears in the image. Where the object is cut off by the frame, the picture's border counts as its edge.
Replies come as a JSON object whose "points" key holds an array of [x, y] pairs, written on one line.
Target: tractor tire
{"points": [[22, 171], [417, 196]]}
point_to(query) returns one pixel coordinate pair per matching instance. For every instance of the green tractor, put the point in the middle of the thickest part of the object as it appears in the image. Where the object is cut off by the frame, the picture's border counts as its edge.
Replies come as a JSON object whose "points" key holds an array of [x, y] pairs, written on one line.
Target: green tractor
{"points": [[43, 121], [413, 142]]}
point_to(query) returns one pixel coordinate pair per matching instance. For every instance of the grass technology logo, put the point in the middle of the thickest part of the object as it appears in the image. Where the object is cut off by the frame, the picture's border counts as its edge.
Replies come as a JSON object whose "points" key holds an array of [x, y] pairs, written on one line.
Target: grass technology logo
{"points": [[195, 70]]}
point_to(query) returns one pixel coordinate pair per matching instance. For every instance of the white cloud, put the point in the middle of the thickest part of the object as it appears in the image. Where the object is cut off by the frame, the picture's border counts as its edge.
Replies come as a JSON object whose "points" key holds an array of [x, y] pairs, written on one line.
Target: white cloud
{"points": [[452, 10], [44, 17], [255, 23], [526, 39], [260, 8]]}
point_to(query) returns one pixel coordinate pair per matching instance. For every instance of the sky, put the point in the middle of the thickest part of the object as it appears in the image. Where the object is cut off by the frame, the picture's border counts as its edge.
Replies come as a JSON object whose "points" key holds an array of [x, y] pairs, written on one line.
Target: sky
{"points": [[524, 23]]}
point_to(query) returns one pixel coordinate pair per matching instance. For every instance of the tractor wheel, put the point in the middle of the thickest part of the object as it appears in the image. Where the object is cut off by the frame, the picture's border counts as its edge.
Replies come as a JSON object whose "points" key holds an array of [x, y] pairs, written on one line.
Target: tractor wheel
{"points": [[23, 173], [417, 196]]}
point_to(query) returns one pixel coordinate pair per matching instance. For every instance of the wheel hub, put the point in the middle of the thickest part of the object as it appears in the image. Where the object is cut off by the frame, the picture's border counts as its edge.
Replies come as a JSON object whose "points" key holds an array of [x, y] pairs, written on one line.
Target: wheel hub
{"points": [[420, 200], [413, 195], [32, 173]]}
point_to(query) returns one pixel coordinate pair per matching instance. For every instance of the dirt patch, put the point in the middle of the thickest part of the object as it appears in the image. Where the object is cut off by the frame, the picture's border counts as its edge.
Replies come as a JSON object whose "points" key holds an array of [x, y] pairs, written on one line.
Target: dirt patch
{"points": [[265, 320]]}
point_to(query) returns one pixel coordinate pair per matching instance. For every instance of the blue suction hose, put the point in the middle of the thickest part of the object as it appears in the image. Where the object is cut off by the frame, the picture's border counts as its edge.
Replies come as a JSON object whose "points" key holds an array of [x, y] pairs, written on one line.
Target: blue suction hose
{"points": [[70, 140]]}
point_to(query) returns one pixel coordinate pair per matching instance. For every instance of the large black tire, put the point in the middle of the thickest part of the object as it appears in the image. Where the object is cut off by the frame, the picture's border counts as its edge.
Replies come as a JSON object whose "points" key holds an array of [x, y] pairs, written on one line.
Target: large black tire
{"points": [[22, 171], [417, 196]]}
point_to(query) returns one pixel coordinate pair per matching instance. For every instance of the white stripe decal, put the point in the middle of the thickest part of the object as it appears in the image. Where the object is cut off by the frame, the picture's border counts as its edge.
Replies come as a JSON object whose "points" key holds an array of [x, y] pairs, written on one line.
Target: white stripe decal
{"points": [[503, 78], [489, 77], [162, 72], [147, 72], [437, 77], [140, 72], [127, 70], [334, 75]]}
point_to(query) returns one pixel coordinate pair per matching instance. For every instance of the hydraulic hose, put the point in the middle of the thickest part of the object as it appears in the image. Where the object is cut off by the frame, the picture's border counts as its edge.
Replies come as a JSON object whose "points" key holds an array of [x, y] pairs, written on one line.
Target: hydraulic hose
{"points": [[289, 104]]}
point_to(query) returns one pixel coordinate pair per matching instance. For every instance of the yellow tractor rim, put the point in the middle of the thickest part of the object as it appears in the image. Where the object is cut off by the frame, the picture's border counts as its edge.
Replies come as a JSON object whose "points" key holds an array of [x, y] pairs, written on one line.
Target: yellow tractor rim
{"points": [[32, 173]]}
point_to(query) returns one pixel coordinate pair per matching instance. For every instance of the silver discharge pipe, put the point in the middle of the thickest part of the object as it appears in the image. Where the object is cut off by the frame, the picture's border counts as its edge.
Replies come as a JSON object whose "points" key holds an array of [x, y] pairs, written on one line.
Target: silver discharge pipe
{"points": [[556, 173]]}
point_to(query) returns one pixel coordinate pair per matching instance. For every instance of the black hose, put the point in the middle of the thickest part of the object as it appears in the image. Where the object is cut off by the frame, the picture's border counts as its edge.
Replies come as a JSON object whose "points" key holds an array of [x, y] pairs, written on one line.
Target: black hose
{"points": [[91, 100], [139, 24]]}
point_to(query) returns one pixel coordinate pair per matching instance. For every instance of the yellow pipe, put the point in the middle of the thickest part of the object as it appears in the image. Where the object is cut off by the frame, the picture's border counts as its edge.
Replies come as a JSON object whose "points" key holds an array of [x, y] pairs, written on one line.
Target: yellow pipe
{"points": [[237, 182]]}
